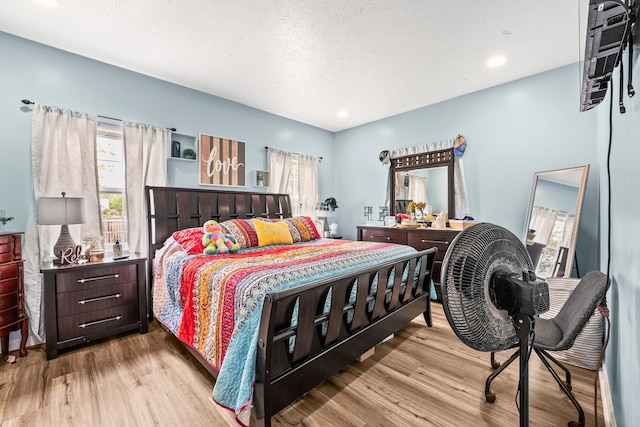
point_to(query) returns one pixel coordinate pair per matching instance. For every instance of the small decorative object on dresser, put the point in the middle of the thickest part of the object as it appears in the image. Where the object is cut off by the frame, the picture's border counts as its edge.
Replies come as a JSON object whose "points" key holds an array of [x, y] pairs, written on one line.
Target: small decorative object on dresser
{"points": [[90, 301], [12, 314], [3, 220]]}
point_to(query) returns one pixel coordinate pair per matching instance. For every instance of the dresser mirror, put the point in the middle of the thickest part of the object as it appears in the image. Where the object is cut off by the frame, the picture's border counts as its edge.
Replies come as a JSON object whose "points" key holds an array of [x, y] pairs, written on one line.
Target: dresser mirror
{"points": [[424, 177], [551, 227]]}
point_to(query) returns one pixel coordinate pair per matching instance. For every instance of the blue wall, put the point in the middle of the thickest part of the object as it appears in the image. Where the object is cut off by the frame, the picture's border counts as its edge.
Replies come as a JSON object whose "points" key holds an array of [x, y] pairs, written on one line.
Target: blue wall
{"points": [[57, 78], [623, 355], [512, 130]]}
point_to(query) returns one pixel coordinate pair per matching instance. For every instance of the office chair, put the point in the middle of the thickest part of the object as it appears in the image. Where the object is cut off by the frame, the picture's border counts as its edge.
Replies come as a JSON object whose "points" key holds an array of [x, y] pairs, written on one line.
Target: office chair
{"points": [[560, 333]]}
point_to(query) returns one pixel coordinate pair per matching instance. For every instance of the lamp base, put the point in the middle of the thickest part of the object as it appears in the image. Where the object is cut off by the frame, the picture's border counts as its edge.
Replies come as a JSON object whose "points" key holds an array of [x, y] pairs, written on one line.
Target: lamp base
{"points": [[65, 241]]}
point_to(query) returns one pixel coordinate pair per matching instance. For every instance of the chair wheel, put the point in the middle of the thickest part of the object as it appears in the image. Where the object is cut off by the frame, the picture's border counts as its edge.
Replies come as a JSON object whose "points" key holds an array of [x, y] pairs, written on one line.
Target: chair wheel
{"points": [[574, 424], [490, 396], [495, 364]]}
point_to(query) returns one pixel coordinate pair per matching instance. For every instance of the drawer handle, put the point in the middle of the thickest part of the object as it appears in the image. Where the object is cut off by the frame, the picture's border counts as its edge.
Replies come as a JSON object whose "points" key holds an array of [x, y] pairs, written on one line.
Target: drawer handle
{"points": [[379, 238], [433, 241], [84, 301], [1, 320], [97, 322], [92, 279]]}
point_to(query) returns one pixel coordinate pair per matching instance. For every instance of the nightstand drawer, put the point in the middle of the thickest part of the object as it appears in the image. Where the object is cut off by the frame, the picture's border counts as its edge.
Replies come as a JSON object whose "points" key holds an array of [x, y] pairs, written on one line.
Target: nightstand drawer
{"points": [[8, 271], [94, 322], [87, 300], [79, 279], [8, 316], [8, 285]]}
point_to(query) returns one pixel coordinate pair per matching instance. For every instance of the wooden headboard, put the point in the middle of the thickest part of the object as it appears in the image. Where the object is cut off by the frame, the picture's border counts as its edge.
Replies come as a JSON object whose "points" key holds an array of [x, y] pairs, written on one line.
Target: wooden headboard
{"points": [[171, 209]]}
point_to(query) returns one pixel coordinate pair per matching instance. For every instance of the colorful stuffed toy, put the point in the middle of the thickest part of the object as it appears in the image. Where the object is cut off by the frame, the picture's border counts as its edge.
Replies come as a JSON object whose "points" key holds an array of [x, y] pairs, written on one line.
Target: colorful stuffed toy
{"points": [[215, 241]]}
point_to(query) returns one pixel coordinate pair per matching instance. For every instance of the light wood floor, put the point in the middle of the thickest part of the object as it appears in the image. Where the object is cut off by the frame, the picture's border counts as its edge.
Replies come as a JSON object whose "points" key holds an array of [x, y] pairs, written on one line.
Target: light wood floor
{"points": [[422, 377]]}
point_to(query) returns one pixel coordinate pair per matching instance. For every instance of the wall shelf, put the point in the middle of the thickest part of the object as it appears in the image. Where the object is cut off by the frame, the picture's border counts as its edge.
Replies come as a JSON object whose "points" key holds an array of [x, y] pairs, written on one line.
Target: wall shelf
{"points": [[181, 146]]}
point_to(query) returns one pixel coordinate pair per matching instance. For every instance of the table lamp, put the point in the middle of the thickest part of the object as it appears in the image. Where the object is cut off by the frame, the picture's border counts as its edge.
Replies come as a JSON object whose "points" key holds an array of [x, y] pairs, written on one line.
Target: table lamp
{"points": [[61, 211]]}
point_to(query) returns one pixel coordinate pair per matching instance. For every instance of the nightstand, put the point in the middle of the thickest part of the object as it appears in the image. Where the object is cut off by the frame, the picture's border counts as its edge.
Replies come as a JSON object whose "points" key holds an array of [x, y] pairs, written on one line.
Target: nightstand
{"points": [[94, 300]]}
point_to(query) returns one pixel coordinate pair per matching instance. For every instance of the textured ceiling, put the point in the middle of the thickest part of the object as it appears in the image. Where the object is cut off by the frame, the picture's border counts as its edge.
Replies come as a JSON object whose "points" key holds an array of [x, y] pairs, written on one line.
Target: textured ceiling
{"points": [[309, 59]]}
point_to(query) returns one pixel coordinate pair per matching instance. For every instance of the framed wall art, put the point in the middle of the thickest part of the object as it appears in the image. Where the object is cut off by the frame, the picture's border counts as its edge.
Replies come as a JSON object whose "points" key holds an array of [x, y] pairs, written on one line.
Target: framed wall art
{"points": [[222, 161]]}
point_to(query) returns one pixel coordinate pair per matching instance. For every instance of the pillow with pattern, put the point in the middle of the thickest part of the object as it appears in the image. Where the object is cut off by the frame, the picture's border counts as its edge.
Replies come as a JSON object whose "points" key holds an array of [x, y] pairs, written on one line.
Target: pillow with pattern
{"points": [[190, 239], [273, 233], [302, 228], [243, 230]]}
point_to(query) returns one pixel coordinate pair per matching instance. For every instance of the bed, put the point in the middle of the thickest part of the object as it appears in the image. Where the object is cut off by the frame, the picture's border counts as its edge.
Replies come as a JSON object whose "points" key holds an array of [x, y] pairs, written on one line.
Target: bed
{"points": [[272, 322]]}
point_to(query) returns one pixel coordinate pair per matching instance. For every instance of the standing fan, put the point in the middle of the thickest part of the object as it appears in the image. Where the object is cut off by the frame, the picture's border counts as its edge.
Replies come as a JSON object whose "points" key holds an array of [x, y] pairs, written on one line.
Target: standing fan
{"points": [[490, 295]]}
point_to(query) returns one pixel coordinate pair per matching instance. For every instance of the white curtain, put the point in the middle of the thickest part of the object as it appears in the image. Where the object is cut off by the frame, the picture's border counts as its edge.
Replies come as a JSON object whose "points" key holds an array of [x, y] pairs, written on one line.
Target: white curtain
{"points": [[279, 169], [304, 194], [308, 184], [461, 202], [146, 164], [63, 158], [542, 221], [417, 189], [568, 230]]}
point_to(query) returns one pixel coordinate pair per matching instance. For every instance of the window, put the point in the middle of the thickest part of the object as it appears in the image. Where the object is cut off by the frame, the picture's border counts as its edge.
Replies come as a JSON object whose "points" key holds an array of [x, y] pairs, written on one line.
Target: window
{"points": [[111, 181]]}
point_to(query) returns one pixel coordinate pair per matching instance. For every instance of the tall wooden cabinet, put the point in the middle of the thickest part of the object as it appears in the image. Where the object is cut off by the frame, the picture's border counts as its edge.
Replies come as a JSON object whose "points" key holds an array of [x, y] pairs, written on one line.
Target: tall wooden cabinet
{"points": [[419, 238], [12, 314]]}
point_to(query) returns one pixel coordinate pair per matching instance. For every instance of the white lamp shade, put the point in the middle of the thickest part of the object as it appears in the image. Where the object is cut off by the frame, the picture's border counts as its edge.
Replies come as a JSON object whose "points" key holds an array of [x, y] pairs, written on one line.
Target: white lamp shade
{"points": [[61, 210]]}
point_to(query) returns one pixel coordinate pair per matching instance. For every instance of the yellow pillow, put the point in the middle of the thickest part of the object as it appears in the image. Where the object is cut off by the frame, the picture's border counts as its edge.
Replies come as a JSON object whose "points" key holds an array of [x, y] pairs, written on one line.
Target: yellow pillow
{"points": [[273, 233]]}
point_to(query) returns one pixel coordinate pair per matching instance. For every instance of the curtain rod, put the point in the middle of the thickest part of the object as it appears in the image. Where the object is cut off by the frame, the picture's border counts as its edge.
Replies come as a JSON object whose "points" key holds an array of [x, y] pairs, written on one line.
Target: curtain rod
{"points": [[319, 158], [27, 102]]}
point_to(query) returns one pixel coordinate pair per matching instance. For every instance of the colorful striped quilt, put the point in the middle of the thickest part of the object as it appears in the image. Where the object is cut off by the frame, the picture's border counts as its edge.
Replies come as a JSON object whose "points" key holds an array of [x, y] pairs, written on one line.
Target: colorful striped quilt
{"points": [[214, 302]]}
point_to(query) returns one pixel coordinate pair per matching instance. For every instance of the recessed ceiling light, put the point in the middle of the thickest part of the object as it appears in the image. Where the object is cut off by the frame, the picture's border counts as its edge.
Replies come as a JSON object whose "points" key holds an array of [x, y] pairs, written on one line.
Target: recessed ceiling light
{"points": [[343, 114], [48, 3], [496, 61]]}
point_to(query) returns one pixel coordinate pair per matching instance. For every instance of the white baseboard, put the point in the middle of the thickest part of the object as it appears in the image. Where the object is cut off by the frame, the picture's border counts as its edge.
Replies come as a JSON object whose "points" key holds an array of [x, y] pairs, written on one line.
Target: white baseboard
{"points": [[607, 404]]}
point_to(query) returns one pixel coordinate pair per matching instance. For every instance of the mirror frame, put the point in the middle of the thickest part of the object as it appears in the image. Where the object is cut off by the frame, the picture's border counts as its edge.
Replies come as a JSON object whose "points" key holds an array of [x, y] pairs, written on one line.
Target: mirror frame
{"points": [[427, 160], [576, 222]]}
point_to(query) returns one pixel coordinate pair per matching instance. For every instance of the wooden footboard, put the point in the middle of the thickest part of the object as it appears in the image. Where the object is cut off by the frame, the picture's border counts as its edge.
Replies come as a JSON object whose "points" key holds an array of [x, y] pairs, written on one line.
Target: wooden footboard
{"points": [[292, 359]]}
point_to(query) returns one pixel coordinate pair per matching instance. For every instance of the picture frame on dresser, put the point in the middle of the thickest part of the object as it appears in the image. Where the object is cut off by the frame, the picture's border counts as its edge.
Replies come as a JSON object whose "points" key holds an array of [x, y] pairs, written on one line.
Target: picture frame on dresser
{"points": [[85, 302], [12, 311]]}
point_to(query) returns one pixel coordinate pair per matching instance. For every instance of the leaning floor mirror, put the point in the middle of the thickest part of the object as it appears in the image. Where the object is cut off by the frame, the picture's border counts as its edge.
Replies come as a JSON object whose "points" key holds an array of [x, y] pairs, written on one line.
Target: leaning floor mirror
{"points": [[551, 227]]}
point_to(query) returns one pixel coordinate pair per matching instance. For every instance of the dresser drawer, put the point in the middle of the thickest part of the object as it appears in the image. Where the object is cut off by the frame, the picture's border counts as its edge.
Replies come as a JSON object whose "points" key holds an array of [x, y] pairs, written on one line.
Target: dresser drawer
{"points": [[78, 279], [8, 285], [95, 322], [5, 239], [425, 241], [86, 300], [8, 271], [8, 316], [383, 235], [9, 300]]}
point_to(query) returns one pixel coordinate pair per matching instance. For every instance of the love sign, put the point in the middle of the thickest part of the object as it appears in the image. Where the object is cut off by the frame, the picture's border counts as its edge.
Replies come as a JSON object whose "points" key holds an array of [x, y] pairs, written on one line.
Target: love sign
{"points": [[222, 161]]}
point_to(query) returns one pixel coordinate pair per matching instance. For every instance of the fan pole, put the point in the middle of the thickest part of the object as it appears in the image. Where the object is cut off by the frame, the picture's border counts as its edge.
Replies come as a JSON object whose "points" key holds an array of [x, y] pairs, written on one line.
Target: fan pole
{"points": [[524, 325]]}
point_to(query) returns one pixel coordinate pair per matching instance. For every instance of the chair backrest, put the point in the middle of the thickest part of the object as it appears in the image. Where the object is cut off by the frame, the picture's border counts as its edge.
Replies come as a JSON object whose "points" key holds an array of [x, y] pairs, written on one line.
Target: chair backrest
{"points": [[579, 307]]}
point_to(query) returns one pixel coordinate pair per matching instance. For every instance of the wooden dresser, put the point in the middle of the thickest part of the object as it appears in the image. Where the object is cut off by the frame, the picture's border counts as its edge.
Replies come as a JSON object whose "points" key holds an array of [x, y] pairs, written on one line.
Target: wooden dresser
{"points": [[12, 315], [94, 300], [419, 238]]}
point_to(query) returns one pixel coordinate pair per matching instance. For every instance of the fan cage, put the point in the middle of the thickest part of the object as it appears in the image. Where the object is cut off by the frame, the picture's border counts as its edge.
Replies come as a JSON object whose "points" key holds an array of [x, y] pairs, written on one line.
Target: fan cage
{"points": [[467, 298]]}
